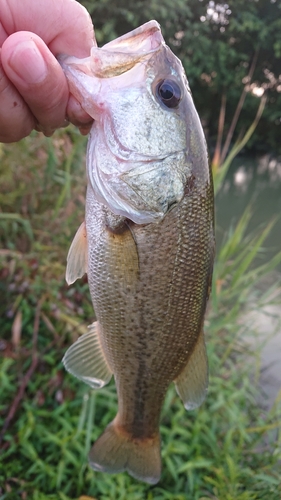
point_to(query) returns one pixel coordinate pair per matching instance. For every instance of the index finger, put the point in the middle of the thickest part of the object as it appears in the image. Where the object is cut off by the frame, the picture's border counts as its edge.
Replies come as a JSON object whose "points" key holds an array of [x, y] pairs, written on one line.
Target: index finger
{"points": [[64, 25]]}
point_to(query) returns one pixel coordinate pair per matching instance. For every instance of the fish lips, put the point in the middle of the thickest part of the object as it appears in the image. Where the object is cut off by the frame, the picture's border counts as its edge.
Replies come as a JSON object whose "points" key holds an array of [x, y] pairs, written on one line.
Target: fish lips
{"points": [[122, 54]]}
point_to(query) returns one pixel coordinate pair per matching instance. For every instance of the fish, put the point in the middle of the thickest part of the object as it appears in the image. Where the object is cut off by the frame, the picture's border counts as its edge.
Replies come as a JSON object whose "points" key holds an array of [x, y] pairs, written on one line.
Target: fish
{"points": [[146, 244]]}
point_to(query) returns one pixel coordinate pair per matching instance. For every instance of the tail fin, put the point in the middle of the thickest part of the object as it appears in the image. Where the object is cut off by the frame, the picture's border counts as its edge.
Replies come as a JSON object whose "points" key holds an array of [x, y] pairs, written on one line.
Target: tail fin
{"points": [[116, 451]]}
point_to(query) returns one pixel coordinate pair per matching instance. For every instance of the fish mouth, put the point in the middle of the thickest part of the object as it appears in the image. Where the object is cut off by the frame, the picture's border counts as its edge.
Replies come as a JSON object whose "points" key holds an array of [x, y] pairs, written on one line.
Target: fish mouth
{"points": [[122, 54], [144, 39], [115, 58]]}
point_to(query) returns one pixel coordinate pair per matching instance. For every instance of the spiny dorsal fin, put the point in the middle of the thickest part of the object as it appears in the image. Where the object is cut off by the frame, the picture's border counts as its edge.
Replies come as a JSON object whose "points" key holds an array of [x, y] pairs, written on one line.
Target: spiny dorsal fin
{"points": [[192, 383], [85, 359], [77, 258]]}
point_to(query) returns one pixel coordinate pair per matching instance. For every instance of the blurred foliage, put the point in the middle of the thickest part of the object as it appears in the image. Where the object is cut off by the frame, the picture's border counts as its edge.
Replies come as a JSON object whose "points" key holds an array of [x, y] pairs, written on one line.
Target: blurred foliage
{"points": [[217, 43], [228, 449]]}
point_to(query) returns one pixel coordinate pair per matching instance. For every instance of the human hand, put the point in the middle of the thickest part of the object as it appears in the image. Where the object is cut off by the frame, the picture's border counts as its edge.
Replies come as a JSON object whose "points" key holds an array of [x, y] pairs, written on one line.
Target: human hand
{"points": [[33, 89]]}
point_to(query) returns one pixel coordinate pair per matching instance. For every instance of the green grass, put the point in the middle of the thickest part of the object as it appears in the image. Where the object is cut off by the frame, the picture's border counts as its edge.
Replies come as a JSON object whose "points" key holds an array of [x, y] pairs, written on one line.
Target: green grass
{"points": [[229, 449]]}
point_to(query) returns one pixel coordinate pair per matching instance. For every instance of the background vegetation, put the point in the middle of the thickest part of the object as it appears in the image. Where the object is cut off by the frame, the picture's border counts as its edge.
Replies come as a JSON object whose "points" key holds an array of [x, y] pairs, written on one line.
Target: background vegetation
{"points": [[230, 448]]}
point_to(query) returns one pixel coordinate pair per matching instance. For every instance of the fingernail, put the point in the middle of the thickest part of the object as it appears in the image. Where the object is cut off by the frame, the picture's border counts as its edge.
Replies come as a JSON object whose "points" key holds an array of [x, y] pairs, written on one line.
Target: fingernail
{"points": [[27, 62]]}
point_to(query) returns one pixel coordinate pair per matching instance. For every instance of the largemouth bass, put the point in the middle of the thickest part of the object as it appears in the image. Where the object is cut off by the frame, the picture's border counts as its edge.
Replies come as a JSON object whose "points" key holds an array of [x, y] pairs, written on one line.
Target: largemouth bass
{"points": [[147, 243]]}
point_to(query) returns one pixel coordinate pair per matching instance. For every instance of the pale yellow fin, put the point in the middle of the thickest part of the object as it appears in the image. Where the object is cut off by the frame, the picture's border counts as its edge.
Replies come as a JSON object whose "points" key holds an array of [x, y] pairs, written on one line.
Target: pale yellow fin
{"points": [[123, 256], [115, 451], [77, 258], [192, 383], [85, 359]]}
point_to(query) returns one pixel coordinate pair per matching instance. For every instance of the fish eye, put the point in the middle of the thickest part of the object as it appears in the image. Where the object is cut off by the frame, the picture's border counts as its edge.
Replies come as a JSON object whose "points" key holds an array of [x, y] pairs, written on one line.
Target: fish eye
{"points": [[169, 92]]}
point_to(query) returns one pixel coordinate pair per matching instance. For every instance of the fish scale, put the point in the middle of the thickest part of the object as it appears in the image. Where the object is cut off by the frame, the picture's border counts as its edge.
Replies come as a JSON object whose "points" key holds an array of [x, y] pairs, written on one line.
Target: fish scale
{"points": [[147, 243]]}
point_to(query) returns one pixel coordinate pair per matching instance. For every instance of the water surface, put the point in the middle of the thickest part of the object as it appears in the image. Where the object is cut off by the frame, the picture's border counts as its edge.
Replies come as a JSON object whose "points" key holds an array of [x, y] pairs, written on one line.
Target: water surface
{"points": [[257, 181]]}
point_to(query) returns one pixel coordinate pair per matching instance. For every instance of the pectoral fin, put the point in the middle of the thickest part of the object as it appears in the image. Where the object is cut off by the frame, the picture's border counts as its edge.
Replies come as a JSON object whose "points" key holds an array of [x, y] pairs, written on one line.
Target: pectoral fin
{"points": [[85, 360], [123, 259], [192, 383], [77, 260]]}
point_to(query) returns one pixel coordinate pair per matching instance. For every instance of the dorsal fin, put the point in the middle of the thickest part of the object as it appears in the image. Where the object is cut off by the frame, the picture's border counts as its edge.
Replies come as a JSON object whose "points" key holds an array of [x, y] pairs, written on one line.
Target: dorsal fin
{"points": [[77, 258]]}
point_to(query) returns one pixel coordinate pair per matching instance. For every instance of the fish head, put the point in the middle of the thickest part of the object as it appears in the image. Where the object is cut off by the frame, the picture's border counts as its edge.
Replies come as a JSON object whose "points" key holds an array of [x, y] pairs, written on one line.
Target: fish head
{"points": [[146, 134]]}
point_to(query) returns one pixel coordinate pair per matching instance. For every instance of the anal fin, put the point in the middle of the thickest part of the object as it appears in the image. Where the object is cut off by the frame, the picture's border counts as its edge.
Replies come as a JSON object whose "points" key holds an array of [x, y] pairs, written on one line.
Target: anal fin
{"points": [[77, 260], [85, 360], [192, 383]]}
